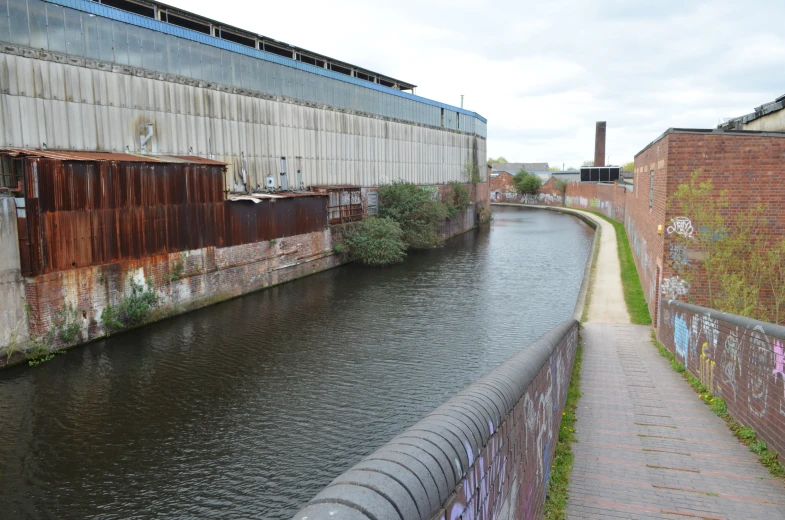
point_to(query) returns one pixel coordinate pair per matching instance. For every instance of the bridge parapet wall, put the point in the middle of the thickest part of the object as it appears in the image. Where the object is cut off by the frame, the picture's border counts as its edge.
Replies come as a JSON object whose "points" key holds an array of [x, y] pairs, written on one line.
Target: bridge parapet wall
{"points": [[485, 453], [738, 359]]}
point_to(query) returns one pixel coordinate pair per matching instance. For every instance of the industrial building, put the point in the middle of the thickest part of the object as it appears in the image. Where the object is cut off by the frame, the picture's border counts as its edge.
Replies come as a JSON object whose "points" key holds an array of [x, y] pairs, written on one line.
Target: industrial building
{"points": [[146, 146], [143, 77]]}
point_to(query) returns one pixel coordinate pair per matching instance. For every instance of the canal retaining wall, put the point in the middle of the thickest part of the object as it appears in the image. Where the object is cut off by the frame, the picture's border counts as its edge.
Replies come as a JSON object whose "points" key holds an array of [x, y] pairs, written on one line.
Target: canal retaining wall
{"points": [[182, 281], [13, 323], [485, 453], [738, 359]]}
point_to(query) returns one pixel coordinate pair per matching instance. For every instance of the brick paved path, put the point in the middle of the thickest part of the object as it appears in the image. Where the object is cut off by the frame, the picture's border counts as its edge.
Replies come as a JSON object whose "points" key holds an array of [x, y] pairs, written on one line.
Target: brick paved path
{"points": [[650, 448]]}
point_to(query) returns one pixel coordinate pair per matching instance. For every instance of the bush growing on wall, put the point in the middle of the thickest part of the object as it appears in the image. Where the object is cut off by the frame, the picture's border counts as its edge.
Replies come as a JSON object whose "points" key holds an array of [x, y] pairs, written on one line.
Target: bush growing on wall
{"points": [[416, 210], [736, 255], [527, 183], [459, 196], [376, 242], [133, 310]]}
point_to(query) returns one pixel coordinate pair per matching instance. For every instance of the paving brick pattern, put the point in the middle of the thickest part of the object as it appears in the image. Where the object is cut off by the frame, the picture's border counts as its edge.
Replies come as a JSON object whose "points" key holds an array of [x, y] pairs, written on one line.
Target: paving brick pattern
{"points": [[650, 448]]}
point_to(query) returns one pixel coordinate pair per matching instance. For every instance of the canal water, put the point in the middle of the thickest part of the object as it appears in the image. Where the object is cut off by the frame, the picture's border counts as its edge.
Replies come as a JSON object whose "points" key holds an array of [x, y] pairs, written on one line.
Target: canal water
{"points": [[248, 408]]}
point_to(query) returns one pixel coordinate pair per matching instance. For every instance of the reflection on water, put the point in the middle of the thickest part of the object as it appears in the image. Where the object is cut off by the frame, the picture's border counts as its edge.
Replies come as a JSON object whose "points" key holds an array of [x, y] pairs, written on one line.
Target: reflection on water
{"points": [[250, 407]]}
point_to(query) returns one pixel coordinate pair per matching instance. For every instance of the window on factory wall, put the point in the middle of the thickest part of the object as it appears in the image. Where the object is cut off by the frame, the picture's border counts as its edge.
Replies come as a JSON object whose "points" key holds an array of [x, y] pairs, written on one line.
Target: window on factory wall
{"points": [[651, 190]]}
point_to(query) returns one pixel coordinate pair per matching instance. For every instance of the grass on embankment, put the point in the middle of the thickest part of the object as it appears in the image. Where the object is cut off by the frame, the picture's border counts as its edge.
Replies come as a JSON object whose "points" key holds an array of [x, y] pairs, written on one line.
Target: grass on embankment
{"points": [[561, 469], [746, 435], [631, 282]]}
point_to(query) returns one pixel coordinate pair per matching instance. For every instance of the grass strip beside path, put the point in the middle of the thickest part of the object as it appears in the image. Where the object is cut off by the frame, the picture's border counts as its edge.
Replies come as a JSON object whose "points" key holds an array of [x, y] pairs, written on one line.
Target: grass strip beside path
{"points": [[556, 496], [631, 282]]}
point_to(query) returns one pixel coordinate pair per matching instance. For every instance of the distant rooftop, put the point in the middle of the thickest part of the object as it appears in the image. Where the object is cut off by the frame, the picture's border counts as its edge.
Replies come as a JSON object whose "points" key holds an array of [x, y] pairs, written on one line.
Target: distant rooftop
{"points": [[181, 18], [737, 123], [516, 167]]}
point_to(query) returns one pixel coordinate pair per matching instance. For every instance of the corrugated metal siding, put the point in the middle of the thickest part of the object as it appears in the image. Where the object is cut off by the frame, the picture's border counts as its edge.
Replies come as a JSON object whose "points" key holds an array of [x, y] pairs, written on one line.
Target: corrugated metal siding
{"points": [[89, 213], [85, 29], [76, 108]]}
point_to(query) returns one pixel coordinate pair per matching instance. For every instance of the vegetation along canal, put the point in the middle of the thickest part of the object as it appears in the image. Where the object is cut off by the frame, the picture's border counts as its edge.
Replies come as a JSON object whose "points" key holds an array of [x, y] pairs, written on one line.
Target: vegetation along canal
{"points": [[248, 408]]}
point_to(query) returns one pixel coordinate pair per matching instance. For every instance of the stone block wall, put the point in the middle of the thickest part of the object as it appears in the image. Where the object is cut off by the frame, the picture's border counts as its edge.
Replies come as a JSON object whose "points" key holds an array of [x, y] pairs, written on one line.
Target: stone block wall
{"points": [[738, 359], [484, 454]]}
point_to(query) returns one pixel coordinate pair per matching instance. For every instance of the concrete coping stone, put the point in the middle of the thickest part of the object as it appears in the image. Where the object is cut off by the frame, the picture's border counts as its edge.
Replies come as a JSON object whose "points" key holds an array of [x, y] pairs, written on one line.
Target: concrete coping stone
{"points": [[769, 329], [424, 464]]}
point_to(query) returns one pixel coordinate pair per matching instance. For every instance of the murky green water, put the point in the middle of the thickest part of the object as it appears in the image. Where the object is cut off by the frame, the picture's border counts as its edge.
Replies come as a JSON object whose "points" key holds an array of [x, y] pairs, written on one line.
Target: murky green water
{"points": [[248, 408]]}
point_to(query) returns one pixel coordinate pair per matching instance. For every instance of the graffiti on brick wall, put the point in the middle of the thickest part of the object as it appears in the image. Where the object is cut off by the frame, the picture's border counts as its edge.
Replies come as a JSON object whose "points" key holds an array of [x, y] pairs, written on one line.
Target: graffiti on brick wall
{"points": [[779, 369], [678, 254], [674, 287], [681, 226], [681, 336], [759, 357], [744, 366], [509, 478]]}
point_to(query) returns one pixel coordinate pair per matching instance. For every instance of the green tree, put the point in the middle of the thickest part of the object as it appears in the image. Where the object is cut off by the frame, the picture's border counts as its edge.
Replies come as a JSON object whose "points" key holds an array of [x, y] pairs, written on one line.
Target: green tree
{"points": [[630, 166], [499, 160], [527, 183], [588, 163]]}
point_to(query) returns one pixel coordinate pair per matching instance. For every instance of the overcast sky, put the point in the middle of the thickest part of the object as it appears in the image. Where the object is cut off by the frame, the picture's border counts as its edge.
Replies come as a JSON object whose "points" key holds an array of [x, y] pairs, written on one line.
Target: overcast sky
{"points": [[544, 72]]}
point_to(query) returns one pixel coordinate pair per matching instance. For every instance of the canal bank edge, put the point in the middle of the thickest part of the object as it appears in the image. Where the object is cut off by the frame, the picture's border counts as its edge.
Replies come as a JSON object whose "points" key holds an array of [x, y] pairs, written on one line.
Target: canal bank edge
{"points": [[584, 300], [209, 276], [489, 447]]}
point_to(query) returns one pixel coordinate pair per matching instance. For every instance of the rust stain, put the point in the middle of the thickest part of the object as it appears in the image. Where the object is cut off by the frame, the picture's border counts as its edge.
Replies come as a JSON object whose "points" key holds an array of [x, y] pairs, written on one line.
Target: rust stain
{"points": [[345, 204], [85, 212]]}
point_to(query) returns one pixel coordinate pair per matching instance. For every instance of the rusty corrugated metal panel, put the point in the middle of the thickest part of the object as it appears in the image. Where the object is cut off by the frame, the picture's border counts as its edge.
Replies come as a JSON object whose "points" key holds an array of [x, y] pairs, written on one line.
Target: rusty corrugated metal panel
{"points": [[83, 213], [345, 202]]}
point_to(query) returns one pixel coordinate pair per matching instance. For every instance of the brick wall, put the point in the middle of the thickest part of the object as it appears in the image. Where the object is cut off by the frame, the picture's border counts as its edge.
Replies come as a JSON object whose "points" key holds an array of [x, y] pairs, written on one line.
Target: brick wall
{"points": [[738, 359], [502, 186], [751, 167], [486, 453], [644, 218], [208, 275]]}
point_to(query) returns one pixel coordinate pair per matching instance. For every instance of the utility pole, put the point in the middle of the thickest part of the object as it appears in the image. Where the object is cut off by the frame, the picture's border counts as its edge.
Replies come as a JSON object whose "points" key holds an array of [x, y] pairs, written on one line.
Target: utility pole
{"points": [[461, 100]]}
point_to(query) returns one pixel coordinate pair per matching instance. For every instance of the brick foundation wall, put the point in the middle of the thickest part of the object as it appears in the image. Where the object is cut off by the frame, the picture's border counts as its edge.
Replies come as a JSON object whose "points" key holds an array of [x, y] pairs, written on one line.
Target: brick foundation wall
{"points": [[208, 275], [485, 453], [738, 359]]}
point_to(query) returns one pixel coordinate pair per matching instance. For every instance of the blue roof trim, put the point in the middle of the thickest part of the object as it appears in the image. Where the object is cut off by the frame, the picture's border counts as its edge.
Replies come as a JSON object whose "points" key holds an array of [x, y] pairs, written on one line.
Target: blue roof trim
{"points": [[188, 34]]}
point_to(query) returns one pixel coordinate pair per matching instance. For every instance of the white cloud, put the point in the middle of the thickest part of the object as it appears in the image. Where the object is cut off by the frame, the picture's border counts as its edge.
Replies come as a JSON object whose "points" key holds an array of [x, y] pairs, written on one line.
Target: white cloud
{"points": [[543, 73]]}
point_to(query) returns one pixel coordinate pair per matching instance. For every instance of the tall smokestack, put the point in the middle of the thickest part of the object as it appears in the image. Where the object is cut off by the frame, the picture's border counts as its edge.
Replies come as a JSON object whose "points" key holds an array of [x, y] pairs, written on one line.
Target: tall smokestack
{"points": [[599, 144]]}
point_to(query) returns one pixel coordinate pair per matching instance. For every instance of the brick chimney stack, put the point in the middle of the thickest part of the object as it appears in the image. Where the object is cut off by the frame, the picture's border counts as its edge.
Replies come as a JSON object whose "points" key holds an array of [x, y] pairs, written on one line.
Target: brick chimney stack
{"points": [[599, 144]]}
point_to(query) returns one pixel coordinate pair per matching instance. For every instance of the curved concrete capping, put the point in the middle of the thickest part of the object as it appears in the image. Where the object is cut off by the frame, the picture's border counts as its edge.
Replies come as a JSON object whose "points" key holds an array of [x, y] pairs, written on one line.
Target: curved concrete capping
{"points": [[769, 329], [489, 446]]}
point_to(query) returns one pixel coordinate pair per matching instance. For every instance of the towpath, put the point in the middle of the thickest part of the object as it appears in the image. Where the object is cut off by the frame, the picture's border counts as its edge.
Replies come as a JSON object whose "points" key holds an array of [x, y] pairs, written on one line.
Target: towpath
{"points": [[648, 446]]}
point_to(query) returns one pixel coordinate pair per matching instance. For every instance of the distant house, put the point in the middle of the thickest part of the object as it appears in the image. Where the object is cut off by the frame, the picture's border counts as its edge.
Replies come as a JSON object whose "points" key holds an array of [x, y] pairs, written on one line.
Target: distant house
{"points": [[502, 186], [567, 175], [769, 117]]}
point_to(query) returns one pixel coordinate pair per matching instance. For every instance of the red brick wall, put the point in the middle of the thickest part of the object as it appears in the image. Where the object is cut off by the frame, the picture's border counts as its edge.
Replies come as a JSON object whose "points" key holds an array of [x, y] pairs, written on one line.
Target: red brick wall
{"points": [[750, 167], [740, 360], [503, 183], [642, 220]]}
